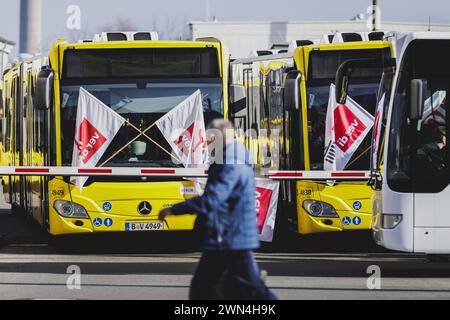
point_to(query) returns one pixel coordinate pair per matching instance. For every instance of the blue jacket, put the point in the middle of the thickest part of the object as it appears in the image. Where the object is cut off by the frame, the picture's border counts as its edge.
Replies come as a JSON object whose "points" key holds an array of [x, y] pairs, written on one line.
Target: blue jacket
{"points": [[226, 214]]}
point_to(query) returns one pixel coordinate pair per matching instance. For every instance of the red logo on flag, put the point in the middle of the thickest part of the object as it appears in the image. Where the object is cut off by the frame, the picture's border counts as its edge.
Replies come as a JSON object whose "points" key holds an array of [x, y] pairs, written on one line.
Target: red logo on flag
{"points": [[263, 197], [347, 127], [90, 140], [183, 142]]}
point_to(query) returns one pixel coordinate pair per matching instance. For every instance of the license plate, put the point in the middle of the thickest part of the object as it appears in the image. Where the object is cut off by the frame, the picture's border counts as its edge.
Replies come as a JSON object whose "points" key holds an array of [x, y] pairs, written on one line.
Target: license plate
{"points": [[144, 226]]}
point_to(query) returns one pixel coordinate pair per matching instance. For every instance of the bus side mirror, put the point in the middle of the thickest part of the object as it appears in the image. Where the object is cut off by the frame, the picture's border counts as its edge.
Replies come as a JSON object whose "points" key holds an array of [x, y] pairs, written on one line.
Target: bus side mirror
{"points": [[292, 90], [238, 99], [419, 90], [44, 88], [341, 83]]}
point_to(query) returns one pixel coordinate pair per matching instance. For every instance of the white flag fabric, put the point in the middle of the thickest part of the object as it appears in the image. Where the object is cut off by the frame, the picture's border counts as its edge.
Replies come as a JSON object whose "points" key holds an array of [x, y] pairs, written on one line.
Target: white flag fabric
{"points": [[346, 127], [266, 207], [184, 129], [435, 109], [377, 131], [95, 128]]}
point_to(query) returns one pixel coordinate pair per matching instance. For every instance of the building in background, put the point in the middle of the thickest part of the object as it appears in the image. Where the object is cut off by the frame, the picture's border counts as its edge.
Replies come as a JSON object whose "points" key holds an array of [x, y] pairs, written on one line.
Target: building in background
{"points": [[243, 37], [5, 49]]}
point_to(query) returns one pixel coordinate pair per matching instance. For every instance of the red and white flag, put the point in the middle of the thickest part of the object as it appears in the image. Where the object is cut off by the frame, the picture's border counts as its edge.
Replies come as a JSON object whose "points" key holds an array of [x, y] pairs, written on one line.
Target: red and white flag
{"points": [[184, 129], [346, 127], [266, 207], [377, 131], [95, 128], [435, 109]]}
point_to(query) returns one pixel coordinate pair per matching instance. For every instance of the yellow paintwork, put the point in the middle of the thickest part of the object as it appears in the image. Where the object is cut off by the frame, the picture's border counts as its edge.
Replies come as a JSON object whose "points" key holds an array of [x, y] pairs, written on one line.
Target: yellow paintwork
{"points": [[342, 195], [124, 204], [124, 196]]}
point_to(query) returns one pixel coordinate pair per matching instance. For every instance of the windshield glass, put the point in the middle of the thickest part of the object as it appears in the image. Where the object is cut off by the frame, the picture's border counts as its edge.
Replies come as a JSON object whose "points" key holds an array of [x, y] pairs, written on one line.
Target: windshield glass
{"points": [[364, 92], [141, 102], [418, 157]]}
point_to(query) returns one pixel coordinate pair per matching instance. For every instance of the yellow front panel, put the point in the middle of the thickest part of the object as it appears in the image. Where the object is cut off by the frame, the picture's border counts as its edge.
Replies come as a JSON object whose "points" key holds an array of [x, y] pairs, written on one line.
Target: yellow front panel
{"points": [[352, 202], [124, 199]]}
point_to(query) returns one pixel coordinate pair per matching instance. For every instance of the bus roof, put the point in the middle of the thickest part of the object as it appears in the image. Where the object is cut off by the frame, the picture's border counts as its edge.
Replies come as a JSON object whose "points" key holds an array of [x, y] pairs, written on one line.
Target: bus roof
{"points": [[136, 44], [311, 47]]}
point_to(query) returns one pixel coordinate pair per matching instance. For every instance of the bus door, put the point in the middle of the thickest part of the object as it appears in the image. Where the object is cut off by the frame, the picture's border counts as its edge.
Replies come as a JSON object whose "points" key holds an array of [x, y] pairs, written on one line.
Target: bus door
{"points": [[16, 141], [240, 119], [431, 202], [40, 157], [288, 126], [25, 150], [6, 138], [29, 136]]}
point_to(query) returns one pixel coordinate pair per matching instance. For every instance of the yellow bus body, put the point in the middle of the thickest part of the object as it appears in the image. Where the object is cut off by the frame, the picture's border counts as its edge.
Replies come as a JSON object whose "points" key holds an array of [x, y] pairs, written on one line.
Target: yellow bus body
{"points": [[344, 197], [37, 195]]}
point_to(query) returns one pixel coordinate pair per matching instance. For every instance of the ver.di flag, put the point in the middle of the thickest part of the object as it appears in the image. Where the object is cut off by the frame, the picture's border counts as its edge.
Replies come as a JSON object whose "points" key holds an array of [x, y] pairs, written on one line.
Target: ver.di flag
{"points": [[95, 128], [184, 129], [266, 207], [377, 131], [346, 127]]}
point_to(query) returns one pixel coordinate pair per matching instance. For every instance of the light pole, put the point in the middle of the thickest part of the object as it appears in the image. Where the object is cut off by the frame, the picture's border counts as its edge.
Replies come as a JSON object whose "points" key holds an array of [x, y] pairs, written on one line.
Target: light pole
{"points": [[376, 14], [30, 26]]}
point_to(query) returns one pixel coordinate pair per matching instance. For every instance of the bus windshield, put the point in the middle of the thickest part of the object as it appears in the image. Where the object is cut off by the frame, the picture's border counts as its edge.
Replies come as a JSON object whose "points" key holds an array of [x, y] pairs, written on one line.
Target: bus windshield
{"points": [[141, 84], [418, 156], [364, 92], [363, 88], [141, 102]]}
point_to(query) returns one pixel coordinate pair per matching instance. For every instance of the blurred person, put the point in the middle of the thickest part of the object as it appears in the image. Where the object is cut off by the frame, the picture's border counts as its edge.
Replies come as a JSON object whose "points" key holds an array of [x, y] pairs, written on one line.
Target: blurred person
{"points": [[226, 225]]}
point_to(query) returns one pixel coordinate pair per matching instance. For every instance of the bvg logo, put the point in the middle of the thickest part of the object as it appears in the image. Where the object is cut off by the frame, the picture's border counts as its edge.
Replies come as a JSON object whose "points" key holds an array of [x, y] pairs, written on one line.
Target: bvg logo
{"points": [[347, 127], [90, 140]]}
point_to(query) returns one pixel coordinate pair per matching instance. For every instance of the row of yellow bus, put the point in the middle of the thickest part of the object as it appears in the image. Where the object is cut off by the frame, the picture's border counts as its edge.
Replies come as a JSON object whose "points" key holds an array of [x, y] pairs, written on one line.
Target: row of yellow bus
{"points": [[283, 94]]}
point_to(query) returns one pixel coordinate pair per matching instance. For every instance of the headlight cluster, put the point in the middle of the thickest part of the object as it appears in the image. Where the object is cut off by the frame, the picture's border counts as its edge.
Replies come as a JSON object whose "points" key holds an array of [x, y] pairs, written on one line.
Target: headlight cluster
{"points": [[390, 221], [319, 209], [70, 209]]}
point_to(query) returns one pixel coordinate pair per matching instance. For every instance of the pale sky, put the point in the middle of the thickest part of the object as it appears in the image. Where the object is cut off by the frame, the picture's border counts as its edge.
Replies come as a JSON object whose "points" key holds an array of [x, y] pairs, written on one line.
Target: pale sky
{"points": [[145, 14]]}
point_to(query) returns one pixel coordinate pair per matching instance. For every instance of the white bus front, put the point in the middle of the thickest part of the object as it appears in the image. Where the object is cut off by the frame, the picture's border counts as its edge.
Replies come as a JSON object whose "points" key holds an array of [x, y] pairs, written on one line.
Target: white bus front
{"points": [[412, 208]]}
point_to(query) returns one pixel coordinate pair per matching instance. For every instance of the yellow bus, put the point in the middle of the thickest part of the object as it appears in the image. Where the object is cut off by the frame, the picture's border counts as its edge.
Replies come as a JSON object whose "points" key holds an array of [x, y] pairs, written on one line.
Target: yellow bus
{"points": [[141, 79], [284, 99]]}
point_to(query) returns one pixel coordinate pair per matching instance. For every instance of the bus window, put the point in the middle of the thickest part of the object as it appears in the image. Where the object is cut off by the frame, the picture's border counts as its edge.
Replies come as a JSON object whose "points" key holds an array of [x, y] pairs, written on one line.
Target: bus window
{"points": [[364, 92], [418, 153]]}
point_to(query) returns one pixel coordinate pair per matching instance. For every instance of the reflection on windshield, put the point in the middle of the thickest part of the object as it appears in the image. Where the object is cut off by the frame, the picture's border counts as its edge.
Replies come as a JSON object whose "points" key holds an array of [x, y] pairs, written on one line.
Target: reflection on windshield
{"points": [[364, 95], [142, 105]]}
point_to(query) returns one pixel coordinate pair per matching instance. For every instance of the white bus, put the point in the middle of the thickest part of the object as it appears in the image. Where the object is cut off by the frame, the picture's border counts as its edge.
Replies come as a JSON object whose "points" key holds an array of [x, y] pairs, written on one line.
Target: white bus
{"points": [[411, 205]]}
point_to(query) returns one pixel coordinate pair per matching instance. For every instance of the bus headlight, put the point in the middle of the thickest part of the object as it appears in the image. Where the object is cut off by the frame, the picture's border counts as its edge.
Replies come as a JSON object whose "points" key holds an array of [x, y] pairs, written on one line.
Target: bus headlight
{"points": [[319, 209], [69, 209], [390, 221]]}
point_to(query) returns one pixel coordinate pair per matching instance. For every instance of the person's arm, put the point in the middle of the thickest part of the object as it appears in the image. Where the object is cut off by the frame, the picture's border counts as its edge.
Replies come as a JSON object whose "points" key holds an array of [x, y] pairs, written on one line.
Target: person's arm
{"points": [[218, 189]]}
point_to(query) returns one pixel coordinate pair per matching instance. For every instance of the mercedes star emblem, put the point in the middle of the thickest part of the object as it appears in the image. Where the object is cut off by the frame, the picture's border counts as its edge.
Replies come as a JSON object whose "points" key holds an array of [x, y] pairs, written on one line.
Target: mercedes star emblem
{"points": [[144, 208]]}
